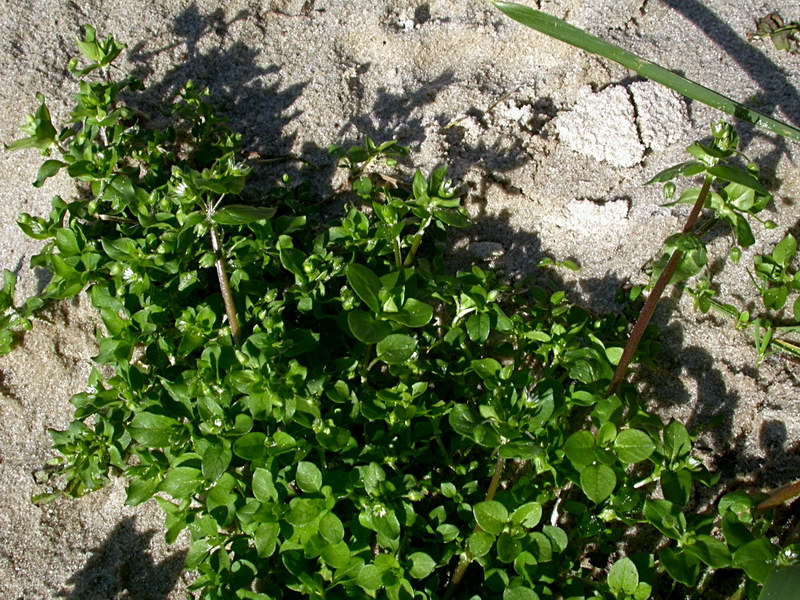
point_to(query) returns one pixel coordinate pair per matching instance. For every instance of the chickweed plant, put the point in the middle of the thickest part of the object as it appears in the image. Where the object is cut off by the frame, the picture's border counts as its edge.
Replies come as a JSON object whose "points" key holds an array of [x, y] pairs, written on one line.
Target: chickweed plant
{"points": [[332, 413]]}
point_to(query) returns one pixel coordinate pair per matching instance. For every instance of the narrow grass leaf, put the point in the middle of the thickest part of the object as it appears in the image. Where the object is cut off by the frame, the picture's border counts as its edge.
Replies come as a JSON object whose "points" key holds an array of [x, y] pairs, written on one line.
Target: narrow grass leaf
{"points": [[561, 30]]}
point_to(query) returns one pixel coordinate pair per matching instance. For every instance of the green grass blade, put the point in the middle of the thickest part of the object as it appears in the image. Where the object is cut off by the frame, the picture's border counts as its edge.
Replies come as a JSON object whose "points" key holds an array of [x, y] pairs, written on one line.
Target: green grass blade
{"points": [[565, 32]]}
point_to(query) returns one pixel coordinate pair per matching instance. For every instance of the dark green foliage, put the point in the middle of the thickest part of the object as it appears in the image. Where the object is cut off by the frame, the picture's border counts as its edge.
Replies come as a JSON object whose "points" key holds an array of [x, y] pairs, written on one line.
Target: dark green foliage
{"points": [[383, 428]]}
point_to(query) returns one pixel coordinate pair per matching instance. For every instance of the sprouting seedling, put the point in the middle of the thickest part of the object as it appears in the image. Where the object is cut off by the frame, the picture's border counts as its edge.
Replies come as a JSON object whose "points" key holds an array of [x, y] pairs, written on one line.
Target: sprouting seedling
{"points": [[782, 35], [741, 194]]}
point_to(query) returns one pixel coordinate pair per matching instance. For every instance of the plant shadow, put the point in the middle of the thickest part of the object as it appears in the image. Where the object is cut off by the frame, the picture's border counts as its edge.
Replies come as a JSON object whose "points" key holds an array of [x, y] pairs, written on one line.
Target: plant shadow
{"points": [[122, 568], [255, 98]]}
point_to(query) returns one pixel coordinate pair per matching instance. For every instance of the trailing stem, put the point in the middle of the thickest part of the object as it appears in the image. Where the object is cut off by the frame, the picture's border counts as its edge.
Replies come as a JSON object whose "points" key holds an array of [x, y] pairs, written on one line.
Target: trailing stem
{"points": [[655, 294], [466, 557], [224, 286]]}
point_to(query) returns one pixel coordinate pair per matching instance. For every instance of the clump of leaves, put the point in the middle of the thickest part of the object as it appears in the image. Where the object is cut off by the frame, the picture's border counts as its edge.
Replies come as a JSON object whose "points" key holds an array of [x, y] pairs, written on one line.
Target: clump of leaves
{"points": [[782, 35], [327, 409], [730, 195]]}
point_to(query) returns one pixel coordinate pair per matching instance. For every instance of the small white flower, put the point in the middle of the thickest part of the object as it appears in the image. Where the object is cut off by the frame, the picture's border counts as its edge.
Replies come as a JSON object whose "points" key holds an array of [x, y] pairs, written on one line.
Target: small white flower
{"points": [[217, 422], [91, 390], [448, 187], [379, 510], [128, 275]]}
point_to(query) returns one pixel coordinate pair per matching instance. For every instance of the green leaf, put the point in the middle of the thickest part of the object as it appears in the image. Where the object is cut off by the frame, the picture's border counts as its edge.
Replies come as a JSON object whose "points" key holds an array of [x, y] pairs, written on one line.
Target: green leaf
{"points": [[337, 555], [528, 515], [47, 170], [633, 446], [331, 528], [251, 446], [89, 46], [557, 536], [486, 368], [519, 593], [302, 511], [561, 30], [363, 187], [397, 348], [623, 577], [480, 542], [643, 591], [448, 532], [508, 548], [452, 217], [419, 186], [541, 546], [756, 558], [241, 214], [309, 477], [43, 134], [463, 420], [666, 517], [580, 449], [365, 328], [263, 486], [370, 578], [737, 175], [413, 314], [709, 550], [478, 327], [152, 430], [682, 567], [292, 260], [491, 516], [775, 298], [689, 168], [782, 583], [422, 565], [677, 486], [266, 539], [67, 242], [387, 524], [598, 482], [677, 442], [216, 459], [785, 250], [121, 249], [371, 476], [744, 234], [521, 450], [180, 482], [365, 284], [587, 365], [141, 490]]}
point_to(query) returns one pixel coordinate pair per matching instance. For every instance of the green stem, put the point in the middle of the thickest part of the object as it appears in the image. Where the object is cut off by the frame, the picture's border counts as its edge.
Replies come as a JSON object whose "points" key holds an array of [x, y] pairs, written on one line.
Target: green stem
{"points": [[655, 295], [398, 258], [438, 437], [224, 286], [466, 557], [412, 253]]}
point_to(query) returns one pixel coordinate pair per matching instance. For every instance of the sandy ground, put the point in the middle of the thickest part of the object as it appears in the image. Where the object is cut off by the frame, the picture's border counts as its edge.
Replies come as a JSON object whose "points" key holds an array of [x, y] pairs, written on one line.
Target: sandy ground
{"points": [[553, 146]]}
